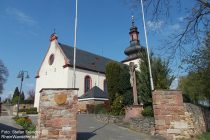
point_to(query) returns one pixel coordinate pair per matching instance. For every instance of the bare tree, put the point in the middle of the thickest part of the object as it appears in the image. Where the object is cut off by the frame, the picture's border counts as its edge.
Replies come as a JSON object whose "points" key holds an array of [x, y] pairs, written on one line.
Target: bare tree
{"points": [[3, 76], [31, 94], [195, 23]]}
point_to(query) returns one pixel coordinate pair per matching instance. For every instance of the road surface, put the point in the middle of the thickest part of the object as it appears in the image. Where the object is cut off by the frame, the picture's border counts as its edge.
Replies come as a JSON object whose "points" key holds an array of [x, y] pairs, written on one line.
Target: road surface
{"points": [[88, 128]]}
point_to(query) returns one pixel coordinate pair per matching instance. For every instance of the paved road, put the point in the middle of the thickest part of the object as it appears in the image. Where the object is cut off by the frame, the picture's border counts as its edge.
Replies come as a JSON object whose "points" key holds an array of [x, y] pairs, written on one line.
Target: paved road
{"points": [[88, 128], [91, 129]]}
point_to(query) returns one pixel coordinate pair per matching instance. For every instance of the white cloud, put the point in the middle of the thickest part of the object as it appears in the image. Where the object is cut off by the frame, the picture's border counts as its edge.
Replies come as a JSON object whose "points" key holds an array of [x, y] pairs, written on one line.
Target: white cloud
{"points": [[20, 16], [175, 27], [181, 18], [154, 25]]}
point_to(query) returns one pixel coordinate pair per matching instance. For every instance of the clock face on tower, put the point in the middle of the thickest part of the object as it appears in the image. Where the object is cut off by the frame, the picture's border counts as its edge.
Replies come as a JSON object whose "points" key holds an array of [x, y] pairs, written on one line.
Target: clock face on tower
{"points": [[51, 59]]}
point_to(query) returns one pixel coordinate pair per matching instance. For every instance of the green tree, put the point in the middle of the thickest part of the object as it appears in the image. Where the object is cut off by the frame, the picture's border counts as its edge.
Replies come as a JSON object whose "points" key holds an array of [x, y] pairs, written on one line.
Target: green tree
{"points": [[119, 88], [112, 77], [205, 67], [124, 79], [196, 84], [125, 88], [161, 73], [3, 76], [207, 83], [15, 96], [161, 76], [144, 89], [7, 100], [191, 85]]}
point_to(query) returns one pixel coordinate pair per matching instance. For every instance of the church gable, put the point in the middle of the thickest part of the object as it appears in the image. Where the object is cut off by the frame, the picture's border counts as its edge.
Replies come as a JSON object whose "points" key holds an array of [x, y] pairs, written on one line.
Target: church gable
{"points": [[54, 59]]}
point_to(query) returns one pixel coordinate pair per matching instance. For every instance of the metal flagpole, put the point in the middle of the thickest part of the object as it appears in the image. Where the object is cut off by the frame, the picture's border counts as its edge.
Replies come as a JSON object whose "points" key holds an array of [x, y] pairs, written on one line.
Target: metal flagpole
{"points": [[75, 43], [148, 56]]}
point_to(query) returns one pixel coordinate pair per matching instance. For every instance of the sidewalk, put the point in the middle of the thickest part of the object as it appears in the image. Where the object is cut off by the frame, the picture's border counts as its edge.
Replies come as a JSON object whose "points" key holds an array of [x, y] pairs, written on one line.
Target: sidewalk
{"points": [[7, 120], [9, 129]]}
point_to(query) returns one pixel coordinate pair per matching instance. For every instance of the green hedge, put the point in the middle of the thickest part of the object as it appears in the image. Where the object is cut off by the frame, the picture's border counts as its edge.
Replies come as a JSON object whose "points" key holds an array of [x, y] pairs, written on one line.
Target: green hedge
{"points": [[148, 111], [100, 109], [29, 111]]}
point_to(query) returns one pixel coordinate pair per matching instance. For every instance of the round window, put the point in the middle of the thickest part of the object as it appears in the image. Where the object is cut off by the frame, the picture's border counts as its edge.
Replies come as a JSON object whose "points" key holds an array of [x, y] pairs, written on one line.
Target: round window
{"points": [[51, 59]]}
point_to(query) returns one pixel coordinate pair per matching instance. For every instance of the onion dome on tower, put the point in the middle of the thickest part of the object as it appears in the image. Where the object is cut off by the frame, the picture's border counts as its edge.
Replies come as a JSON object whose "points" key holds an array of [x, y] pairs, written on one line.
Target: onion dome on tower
{"points": [[134, 48]]}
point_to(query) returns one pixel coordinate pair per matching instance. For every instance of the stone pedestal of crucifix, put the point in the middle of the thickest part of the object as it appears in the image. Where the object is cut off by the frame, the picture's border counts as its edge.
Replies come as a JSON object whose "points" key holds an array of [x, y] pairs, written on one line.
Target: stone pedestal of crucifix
{"points": [[136, 109]]}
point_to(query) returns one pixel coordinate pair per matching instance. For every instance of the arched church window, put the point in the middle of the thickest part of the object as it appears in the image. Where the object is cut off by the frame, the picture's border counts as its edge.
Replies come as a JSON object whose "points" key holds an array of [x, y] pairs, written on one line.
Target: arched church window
{"points": [[105, 86], [87, 84]]}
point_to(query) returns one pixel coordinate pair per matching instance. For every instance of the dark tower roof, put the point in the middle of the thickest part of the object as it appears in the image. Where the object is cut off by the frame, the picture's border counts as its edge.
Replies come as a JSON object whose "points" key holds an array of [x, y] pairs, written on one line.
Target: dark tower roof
{"points": [[134, 48]]}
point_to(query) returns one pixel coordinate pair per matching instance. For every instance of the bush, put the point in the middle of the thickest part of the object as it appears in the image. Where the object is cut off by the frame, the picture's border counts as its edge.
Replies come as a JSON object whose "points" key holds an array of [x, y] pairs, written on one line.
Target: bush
{"points": [[117, 106], [128, 98], [32, 129], [32, 111], [26, 123], [148, 111], [204, 136], [29, 111], [100, 109]]}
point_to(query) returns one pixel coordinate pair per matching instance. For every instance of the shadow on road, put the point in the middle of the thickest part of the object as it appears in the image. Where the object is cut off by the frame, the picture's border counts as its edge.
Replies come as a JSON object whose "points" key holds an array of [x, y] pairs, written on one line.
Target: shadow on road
{"points": [[87, 135], [84, 135], [10, 133], [99, 128]]}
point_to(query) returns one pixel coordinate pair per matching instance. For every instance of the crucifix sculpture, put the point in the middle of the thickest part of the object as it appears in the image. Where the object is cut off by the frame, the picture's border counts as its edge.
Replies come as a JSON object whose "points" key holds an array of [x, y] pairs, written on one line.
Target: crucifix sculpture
{"points": [[133, 82]]}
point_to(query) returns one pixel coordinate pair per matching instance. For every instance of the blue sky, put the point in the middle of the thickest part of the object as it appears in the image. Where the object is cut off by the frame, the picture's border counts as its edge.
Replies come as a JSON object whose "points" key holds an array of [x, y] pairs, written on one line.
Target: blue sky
{"points": [[103, 28]]}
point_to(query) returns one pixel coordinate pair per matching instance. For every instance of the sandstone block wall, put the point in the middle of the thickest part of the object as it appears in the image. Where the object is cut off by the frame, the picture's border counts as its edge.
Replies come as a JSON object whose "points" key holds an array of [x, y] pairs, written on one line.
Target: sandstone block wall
{"points": [[195, 119], [143, 124], [57, 114], [173, 118], [140, 124]]}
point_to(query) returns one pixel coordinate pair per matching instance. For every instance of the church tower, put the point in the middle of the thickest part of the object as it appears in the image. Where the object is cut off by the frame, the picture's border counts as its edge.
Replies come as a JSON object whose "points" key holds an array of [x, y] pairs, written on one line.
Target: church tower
{"points": [[132, 51]]}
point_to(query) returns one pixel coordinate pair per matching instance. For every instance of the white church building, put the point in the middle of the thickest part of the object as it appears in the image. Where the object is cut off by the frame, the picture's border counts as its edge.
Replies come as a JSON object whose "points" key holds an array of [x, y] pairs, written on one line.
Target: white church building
{"points": [[56, 70]]}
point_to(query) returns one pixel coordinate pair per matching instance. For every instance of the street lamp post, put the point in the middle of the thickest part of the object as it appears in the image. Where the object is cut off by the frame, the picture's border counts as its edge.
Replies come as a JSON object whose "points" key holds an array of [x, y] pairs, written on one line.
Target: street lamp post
{"points": [[22, 74]]}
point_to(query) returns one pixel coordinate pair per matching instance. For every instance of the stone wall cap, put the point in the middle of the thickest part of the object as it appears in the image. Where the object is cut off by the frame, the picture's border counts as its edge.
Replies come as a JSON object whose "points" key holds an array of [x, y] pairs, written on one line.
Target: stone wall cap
{"points": [[58, 89], [166, 90]]}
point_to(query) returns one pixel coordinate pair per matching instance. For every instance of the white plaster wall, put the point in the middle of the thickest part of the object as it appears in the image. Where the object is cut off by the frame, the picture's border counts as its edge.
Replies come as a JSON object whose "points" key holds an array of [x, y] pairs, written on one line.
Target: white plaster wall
{"points": [[135, 61], [97, 79], [51, 76]]}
